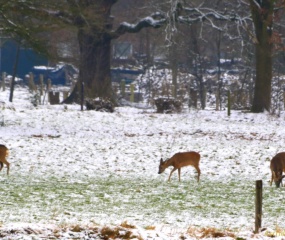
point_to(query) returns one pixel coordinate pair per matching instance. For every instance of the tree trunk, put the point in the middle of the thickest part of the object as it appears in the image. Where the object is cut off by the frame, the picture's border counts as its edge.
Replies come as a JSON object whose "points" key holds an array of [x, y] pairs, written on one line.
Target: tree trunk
{"points": [[14, 74], [94, 24], [95, 52], [94, 69], [262, 90], [174, 67], [263, 19]]}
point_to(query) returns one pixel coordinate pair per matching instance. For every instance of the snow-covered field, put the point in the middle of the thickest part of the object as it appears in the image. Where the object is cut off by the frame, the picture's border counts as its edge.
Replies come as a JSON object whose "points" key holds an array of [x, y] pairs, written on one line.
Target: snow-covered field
{"points": [[93, 170]]}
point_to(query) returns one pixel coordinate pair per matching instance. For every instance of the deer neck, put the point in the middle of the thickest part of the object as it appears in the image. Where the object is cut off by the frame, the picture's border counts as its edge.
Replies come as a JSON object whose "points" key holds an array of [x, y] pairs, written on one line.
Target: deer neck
{"points": [[169, 162]]}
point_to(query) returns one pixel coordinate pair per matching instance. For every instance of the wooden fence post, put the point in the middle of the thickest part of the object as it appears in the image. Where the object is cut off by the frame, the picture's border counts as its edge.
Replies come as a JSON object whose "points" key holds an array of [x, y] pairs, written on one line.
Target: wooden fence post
{"points": [[82, 95], [41, 84], [229, 103], [284, 98], [132, 96], [3, 80], [49, 83], [54, 98], [123, 88], [65, 94], [258, 205], [32, 86], [193, 100]]}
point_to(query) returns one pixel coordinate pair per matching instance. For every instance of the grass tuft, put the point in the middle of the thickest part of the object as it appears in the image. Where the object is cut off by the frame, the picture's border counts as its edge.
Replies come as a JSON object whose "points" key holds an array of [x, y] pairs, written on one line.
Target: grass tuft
{"points": [[278, 232], [209, 232], [119, 232], [150, 228], [125, 224]]}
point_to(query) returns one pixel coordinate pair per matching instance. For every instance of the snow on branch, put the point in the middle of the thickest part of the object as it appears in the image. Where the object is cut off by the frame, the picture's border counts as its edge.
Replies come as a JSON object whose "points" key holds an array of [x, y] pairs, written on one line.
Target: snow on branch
{"points": [[154, 21], [202, 14]]}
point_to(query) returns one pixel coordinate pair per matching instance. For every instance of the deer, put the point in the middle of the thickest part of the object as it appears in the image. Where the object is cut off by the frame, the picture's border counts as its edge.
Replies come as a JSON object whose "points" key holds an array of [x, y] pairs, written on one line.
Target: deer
{"points": [[277, 167], [179, 160], [3, 154]]}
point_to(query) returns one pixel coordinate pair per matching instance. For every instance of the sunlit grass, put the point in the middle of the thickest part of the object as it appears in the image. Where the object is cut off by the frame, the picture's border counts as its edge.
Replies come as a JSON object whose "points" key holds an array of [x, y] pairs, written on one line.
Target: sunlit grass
{"points": [[144, 200]]}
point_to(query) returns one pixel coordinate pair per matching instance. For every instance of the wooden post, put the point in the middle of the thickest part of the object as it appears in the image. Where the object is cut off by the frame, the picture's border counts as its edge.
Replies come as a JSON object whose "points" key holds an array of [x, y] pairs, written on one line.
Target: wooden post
{"points": [[193, 98], [123, 88], [258, 205], [82, 95], [3, 80], [217, 101], [48, 88], [283, 97], [31, 82], [49, 83], [65, 94], [132, 97], [41, 84], [54, 98], [229, 103], [173, 91]]}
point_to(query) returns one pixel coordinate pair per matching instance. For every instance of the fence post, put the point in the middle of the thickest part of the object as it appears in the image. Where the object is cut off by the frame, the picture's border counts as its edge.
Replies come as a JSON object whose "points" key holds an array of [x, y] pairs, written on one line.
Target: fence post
{"points": [[229, 103], [284, 98], [132, 96], [258, 205], [41, 84], [32, 86], [3, 80], [123, 88], [53, 98], [49, 88], [82, 95]]}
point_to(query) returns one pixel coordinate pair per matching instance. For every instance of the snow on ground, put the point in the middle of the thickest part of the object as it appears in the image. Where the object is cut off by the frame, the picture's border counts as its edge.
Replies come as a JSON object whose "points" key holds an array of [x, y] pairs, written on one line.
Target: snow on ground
{"points": [[73, 168]]}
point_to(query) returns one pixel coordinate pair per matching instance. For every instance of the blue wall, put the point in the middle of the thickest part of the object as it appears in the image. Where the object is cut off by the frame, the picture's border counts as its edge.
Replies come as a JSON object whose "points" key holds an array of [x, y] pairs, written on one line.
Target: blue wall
{"points": [[27, 58]]}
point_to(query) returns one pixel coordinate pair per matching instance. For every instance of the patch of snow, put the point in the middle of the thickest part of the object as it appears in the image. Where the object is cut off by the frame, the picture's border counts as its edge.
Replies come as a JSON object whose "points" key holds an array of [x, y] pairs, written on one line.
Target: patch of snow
{"points": [[112, 160]]}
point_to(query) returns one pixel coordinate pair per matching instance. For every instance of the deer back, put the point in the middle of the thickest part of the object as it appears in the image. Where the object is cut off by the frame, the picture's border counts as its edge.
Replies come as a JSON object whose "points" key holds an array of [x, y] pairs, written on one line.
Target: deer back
{"points": [[277, 163], [183, 159], [3, 151]]}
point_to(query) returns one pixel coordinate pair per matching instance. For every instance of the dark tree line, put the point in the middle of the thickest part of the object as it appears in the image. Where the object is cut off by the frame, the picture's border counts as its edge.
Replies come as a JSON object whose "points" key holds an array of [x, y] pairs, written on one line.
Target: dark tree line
{"points": [[95, 28]]}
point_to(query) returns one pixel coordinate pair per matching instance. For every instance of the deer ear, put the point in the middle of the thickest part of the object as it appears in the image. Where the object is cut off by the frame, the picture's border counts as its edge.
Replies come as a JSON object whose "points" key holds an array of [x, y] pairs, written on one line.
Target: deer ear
{"points": [[161, 160]]}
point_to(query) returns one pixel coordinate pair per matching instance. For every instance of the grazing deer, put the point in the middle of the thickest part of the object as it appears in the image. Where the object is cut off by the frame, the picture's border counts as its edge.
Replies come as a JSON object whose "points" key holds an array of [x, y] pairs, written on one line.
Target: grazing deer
{"points": [[3, 154], [180, 160], [277, 166]]}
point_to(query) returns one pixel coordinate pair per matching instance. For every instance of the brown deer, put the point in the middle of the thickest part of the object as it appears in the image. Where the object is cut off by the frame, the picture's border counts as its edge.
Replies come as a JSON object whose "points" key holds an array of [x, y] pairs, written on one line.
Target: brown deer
{"points": [[179, 160], [3, 154], [277, 166]]}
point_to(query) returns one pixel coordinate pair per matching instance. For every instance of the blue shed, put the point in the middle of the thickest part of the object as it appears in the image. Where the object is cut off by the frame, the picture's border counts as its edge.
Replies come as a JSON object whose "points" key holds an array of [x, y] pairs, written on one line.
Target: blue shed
{"points": [[27, 58]]}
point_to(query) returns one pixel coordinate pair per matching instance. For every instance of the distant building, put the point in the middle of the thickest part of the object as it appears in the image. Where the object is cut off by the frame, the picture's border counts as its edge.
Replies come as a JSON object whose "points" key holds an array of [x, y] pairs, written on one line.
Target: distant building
{"points": [[122, 50], [61, 74]]}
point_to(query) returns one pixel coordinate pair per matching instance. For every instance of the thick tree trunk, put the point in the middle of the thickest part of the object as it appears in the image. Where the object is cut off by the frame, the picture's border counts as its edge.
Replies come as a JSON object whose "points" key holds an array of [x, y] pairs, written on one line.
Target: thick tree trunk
{"points": [[174, 67], [94, 23], [263, 19], [95, 52], [262, 91], [94, 69]]}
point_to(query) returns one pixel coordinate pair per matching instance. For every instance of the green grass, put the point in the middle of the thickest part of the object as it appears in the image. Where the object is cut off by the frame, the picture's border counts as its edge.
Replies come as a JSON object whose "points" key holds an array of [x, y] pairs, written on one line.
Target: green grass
{"points": [[144, 200]]}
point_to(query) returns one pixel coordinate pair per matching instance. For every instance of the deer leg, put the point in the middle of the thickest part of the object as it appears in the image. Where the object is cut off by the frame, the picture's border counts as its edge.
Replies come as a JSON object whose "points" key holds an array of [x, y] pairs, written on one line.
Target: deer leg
{"points": [[271, 179], [171, 174], [179, 171], [199, 172], [282, 180], [7, 164], [8, 168]]}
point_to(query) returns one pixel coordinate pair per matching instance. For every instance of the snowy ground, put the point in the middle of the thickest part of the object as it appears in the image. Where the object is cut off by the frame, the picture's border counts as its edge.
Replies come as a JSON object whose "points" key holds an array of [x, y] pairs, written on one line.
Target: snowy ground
{"points": [[88, 170]]}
